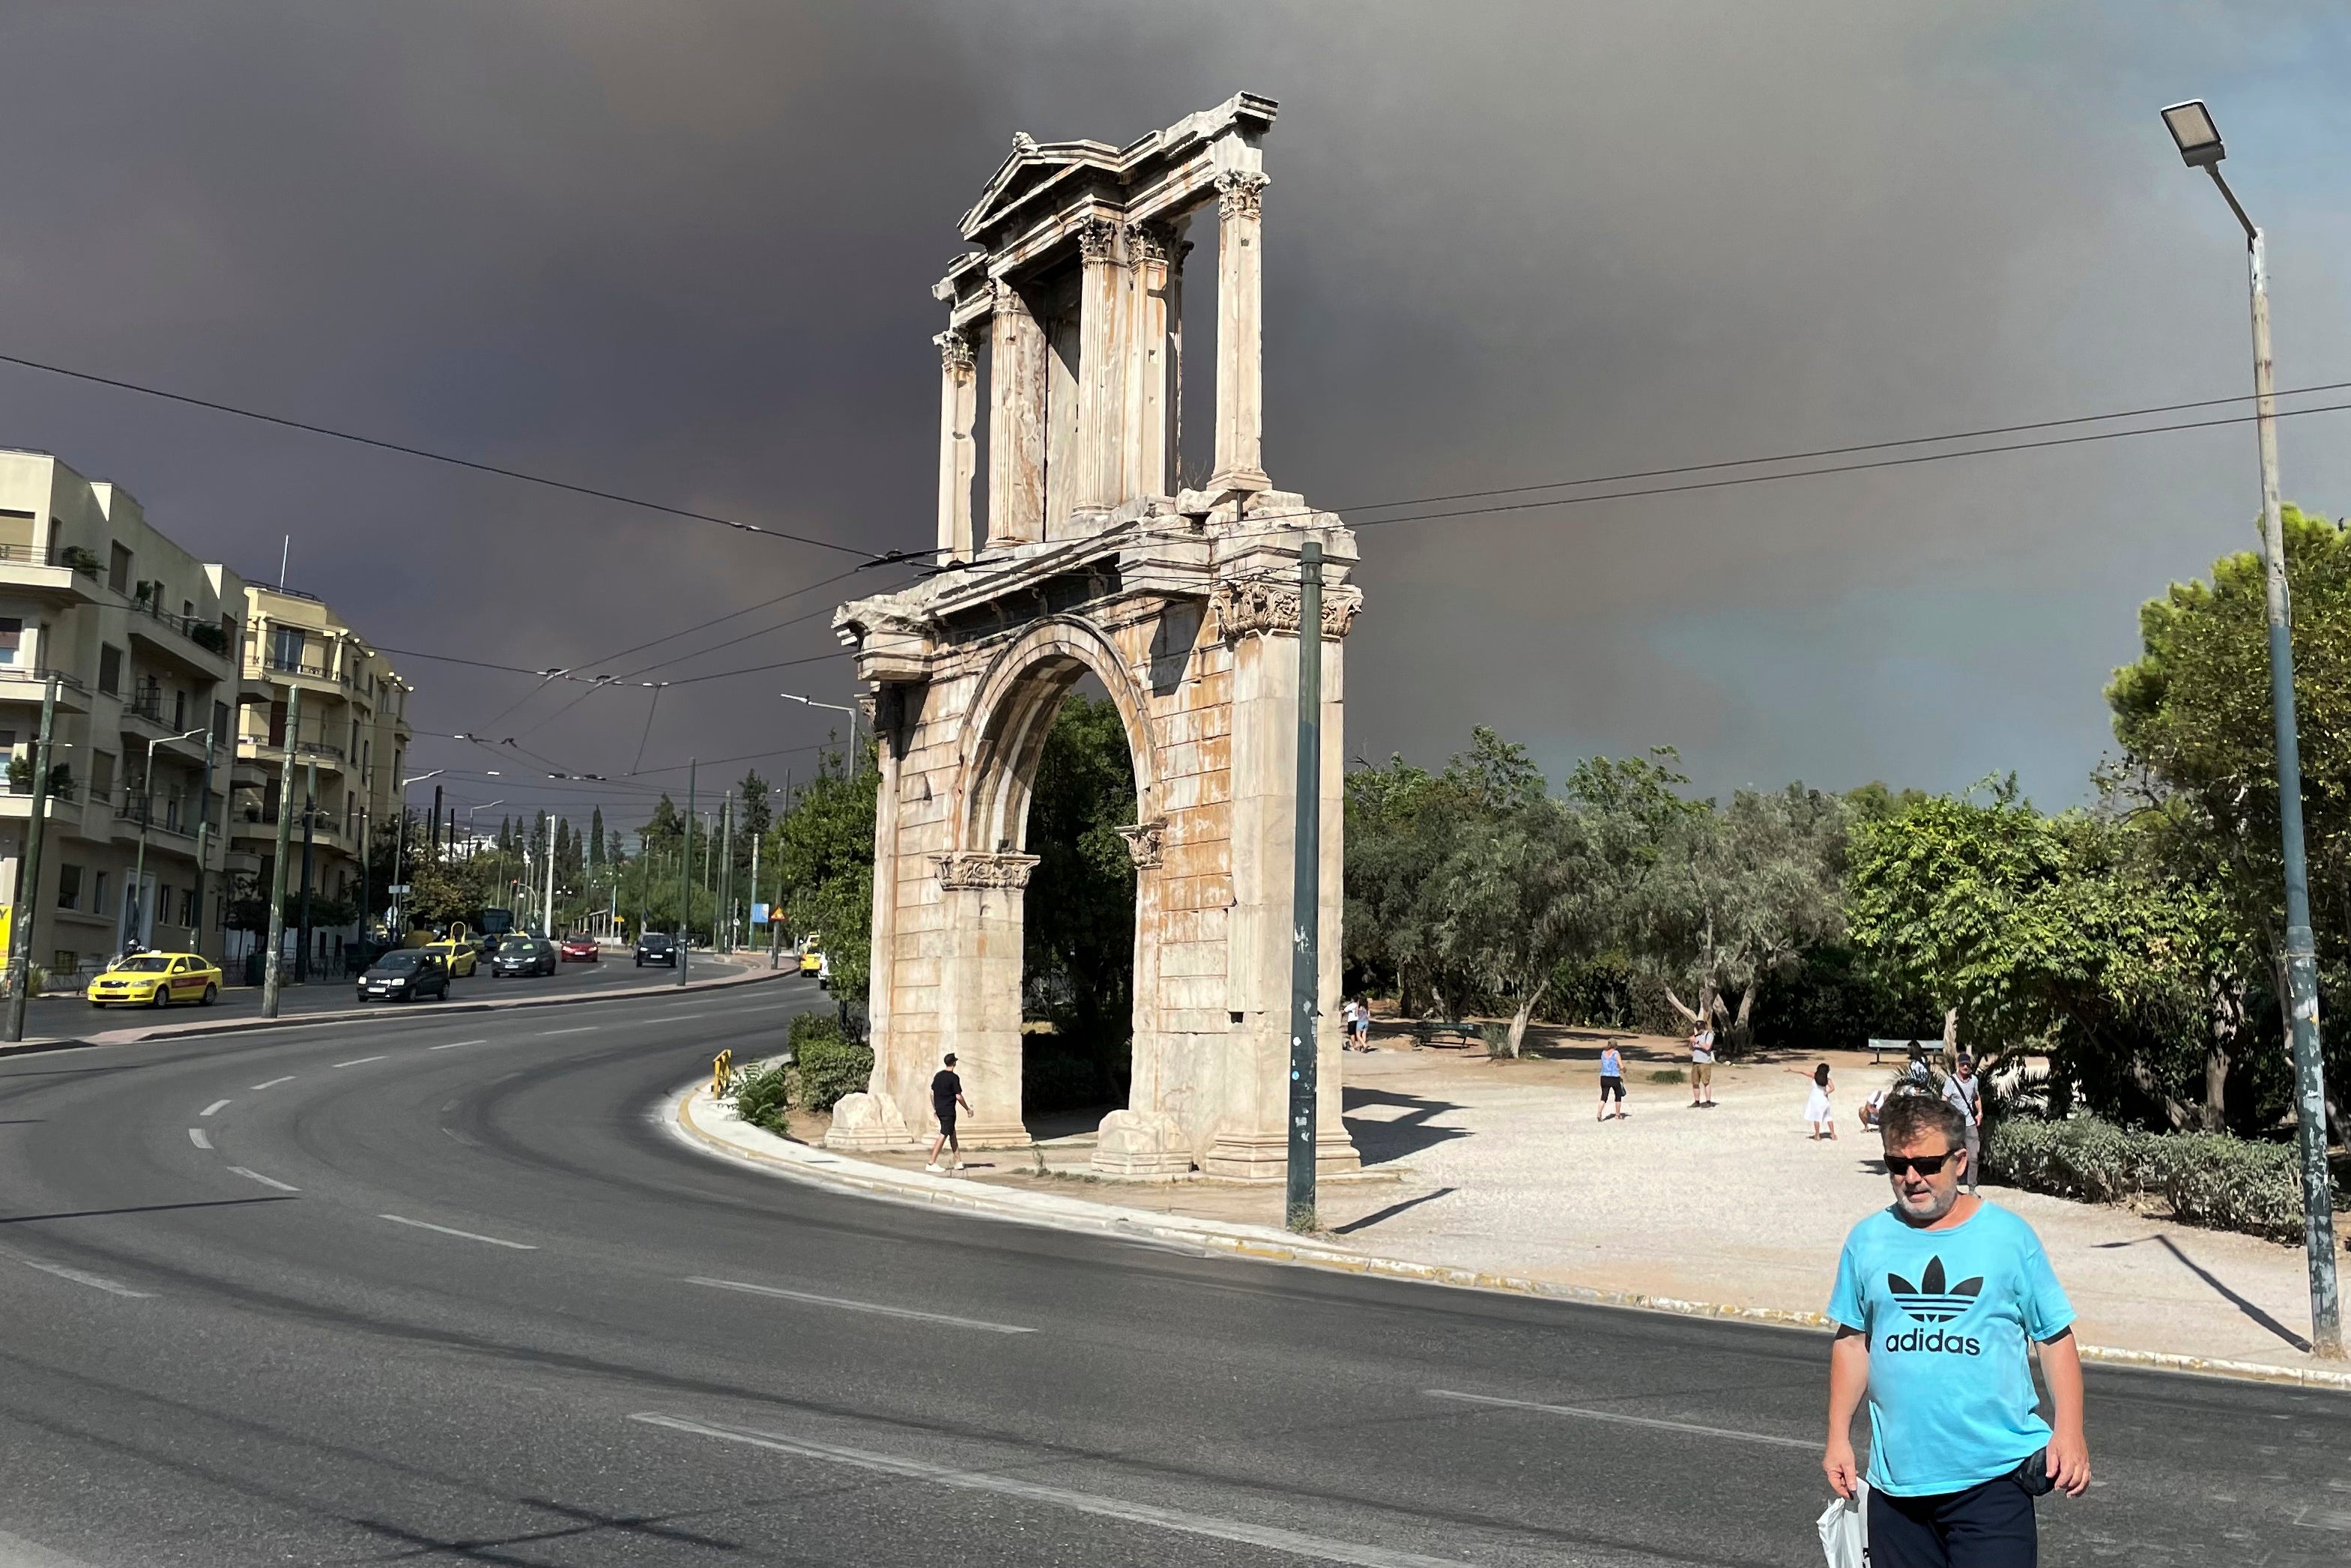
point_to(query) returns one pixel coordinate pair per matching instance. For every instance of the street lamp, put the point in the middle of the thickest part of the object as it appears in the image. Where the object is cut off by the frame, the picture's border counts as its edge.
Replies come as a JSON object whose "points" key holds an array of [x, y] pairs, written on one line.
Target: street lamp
{"points": [[137, 904], [2199, 141], [398, 933], [812, 702]]}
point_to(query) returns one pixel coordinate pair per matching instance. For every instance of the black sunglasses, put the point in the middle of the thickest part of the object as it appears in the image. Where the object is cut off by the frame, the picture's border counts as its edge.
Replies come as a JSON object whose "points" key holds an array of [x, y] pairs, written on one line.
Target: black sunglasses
{"points": [[1925, 1165]]}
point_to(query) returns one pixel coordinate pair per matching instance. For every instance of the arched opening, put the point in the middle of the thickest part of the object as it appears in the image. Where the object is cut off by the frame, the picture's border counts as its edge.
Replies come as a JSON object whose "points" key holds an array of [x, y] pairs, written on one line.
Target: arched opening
{"points": [[1077, 981]]}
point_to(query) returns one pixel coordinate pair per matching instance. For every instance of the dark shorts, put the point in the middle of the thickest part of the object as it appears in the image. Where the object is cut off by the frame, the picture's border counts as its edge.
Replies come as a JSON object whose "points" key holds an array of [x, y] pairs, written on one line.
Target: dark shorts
{"points": [[946, 1115], [1612, 1086], [1986, 1526]]}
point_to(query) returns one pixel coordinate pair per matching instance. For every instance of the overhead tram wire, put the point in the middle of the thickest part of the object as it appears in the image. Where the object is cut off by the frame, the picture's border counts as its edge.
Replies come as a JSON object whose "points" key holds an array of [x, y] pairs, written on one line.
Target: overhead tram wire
{"points": [[871, 557]]}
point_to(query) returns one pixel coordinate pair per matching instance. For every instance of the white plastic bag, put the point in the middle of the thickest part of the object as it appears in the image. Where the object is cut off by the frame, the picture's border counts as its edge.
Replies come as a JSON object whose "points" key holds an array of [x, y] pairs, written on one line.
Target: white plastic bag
{"points": [[1844, 1529]]}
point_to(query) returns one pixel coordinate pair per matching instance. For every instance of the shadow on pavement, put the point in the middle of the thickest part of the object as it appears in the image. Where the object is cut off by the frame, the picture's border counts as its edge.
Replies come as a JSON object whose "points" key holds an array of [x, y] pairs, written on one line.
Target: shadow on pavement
{"points": [[1392, 1137], [2252, 1310]]}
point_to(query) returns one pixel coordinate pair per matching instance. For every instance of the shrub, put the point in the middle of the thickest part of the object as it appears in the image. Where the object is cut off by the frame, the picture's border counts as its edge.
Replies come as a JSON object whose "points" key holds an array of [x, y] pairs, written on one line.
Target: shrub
{"points": [[761, 1097], [1496, 1037], [1667, 1075], [828, 1067], [806, 1026], [2234, 1184], [2212, 1179]]}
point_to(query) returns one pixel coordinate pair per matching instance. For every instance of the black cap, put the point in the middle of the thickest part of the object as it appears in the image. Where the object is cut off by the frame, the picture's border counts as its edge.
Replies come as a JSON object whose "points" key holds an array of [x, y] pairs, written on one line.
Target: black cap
{"points": [[950, 1059]]}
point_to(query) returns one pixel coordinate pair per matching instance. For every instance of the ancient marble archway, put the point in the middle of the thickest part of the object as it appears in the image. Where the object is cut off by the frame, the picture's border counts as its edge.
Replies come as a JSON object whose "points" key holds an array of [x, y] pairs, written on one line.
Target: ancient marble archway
{"points": [[1184, 602]]}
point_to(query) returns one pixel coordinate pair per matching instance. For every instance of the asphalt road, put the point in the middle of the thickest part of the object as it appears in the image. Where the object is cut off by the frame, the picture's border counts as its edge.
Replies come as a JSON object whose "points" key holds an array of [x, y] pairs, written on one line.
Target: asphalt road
{"points": [[62, 1017], [423, 1289]]}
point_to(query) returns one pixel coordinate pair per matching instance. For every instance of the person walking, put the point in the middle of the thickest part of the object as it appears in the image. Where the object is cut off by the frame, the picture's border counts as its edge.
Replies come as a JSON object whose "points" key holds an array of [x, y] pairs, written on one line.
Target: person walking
{"points": [[1817, 1109], [947, 1094], [1938, 1297], [1364, 1024], [1611, 1082], [1702, 1065], [1966, 1096]]}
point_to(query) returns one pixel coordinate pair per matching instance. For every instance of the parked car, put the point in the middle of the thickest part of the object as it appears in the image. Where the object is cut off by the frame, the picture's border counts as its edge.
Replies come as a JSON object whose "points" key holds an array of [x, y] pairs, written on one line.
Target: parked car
{"points": [[523, 955], [458, 956], [579, 950], [811, 960], [156, 980], [405, 974], [656, 947]]}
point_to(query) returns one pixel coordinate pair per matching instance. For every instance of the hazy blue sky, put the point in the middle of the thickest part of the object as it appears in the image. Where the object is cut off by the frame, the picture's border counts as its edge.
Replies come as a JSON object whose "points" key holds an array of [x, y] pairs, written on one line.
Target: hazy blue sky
{"points": [[684, 250]]}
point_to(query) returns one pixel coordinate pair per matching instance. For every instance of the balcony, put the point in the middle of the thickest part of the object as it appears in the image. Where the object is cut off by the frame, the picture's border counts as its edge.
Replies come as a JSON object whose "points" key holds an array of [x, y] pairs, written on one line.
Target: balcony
{"points": [[171, 821], [251, 750], [190, 640], [24, 683], [66, 575]]}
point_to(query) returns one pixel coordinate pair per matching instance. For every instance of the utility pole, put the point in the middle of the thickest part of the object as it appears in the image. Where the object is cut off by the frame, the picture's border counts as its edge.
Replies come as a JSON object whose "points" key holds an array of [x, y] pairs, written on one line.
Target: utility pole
{"points": [[436, 824], [29, 870], [1306, 891], [272, 976], [547, 917], [203, 834], [396, 930], [685, 873], [2199, 141], [138, 862], [365, 845], [726, 870], [302, 927], [751, 939]]}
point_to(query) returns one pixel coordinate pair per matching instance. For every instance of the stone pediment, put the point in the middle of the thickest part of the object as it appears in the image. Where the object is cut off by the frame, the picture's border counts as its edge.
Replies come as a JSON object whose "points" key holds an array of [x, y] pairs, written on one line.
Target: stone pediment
{"points": [[1041, 179]]}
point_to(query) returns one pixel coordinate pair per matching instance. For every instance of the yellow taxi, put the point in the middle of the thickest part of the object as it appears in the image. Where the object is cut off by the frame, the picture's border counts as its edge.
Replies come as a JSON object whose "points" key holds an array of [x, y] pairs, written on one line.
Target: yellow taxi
{"points": [[456, 953], [156, 980], [811, 956]]}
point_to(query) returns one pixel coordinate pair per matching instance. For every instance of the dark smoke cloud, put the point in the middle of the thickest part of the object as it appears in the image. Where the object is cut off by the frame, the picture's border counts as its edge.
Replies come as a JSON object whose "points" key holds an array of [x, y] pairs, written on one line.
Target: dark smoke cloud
{"points": [[685, 251]]}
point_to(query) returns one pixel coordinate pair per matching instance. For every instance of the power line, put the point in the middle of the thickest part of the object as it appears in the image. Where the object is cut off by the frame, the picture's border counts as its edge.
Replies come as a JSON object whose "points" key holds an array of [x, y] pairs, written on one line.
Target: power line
{"points": [[872, 557]]}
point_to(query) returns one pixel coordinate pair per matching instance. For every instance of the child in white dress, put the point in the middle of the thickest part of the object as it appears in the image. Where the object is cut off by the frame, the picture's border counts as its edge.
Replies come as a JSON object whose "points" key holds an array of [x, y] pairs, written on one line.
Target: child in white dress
{"points": [[1817, 1108]]}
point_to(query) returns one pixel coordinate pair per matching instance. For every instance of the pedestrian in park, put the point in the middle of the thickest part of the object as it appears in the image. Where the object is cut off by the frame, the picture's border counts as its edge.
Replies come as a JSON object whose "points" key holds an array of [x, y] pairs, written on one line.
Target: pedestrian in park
{"points": [[1966, 1096], [1920, 1071], [1817, 1109], [1937, 1298], [947, 1094], [1611, 1082], [1364, 1024], [1873, 1106], [1702, 1065]]}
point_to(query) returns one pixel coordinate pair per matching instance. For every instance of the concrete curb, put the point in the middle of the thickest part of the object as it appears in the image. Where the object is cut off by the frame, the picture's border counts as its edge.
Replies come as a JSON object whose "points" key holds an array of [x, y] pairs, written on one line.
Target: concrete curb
{"points": [[203, 1028], [715, 1131]]}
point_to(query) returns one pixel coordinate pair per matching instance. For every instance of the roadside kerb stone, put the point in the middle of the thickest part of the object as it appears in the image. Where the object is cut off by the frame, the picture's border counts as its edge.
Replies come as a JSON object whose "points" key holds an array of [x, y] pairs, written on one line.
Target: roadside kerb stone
{"points": [[697, 1118]]}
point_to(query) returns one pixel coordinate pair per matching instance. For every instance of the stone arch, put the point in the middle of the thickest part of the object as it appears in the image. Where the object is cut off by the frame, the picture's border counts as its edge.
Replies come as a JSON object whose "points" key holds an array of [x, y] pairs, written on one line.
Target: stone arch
{"points": [[1012, 711]]}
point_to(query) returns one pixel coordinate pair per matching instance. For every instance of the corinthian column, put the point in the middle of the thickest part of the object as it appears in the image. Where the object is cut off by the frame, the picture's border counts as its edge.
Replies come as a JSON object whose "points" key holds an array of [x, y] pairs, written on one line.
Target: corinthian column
{"points": [[1240, 375], [959, 404], [1145, 451], [1016, 421], [1102, 367]]}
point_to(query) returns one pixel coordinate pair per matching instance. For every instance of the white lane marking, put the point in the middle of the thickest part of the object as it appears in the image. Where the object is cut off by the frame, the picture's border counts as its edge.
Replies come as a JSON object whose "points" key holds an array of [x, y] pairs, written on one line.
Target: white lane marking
{"points": [[872, 1307], [274, 1083], [1181, 1521], [212, 1108], [266, 1181], [468, 1235], [455, 1043], [1807, 1444], [358, 1060], [583, 1029], [196, 1136], [681, 1018], [95, 1281]]}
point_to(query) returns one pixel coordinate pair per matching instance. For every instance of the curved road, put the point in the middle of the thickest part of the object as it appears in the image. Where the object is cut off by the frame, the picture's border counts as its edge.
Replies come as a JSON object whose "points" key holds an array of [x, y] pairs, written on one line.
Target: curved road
{"points": [[443, 1289]]}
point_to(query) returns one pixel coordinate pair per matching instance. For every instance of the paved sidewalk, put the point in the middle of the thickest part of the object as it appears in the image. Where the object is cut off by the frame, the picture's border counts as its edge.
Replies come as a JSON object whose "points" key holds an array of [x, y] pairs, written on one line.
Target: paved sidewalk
{"points": [[1496, 1172]]}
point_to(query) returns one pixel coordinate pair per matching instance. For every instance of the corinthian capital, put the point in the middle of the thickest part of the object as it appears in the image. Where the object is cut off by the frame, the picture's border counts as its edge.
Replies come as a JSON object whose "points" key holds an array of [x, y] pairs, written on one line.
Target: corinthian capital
{"points": [[1240, 194], [955, 352], [1149, 242], [1097, 237]]}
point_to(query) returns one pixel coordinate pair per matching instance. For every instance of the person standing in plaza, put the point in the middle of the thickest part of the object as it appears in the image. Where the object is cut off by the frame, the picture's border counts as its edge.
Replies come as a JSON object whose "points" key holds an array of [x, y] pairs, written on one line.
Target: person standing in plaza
{"points": [[1938, 1297], [1818, 1109], [1702, 1065], [1966, 1096], [1611, 1082], [947, 1094]]}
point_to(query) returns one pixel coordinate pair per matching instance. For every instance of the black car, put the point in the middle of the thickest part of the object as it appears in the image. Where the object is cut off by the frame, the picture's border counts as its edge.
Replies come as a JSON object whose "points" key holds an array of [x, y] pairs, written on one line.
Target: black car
{"points": [[523, 955], [404, 974], [657, 947]]}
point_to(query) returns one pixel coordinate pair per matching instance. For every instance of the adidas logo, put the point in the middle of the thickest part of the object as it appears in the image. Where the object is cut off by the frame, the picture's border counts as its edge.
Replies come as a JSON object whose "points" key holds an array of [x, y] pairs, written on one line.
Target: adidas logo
{"points": [[1928, 1300]]}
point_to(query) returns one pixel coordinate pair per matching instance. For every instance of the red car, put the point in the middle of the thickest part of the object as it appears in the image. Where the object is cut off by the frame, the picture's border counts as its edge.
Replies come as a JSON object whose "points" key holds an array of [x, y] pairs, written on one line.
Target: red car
{"points": [[579, 949]]}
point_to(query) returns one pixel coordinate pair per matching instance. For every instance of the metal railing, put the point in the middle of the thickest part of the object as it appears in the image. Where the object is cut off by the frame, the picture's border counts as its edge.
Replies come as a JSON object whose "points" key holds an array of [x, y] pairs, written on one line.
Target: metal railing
{"points": [[315, 669], [39, 673], [205, 634]]}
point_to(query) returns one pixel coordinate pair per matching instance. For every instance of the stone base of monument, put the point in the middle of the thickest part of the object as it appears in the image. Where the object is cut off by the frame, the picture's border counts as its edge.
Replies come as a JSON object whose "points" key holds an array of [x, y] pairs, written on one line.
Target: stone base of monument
{"points": [[1141, 1145], [986, 1135], [1241, 1157], [868, 1122]]}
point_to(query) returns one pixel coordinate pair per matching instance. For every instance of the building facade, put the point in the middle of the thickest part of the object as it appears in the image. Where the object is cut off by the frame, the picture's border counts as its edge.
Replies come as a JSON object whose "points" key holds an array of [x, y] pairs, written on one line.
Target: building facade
{"points": [[139, 639], [317, 694]]}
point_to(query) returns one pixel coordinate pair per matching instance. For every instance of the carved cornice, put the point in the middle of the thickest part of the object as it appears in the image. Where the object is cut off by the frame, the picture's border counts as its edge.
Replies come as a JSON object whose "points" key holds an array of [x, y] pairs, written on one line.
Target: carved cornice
{"points": [[971, 869], [1146, 842], [1247, 609], [1097, 237], [955, 353], [1240, 194]]}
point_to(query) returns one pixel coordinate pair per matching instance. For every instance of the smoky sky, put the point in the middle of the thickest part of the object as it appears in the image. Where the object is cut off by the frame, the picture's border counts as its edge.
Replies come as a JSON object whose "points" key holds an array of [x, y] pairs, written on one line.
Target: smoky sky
{"points": [[685, 251]]}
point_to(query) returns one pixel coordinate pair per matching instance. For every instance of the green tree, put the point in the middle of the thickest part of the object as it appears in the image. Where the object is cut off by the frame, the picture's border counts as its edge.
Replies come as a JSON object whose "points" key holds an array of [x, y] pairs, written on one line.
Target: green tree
{"points": [[1078, 931], [596, 855], [824, 853]]}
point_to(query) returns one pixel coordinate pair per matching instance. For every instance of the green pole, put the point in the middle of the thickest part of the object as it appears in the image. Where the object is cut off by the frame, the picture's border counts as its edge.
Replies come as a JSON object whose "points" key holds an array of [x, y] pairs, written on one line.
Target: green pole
{"points": [[685, 873], [271, 978], [1306, 890], [28, 869]]}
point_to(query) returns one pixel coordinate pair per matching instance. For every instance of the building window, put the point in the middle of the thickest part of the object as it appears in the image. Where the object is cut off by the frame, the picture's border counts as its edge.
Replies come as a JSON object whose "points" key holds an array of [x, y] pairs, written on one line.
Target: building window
{"points": [[277, 723], [69, 887], [97, 898], [179, 710], [109, 669], [118, 568], [101, 775], [220, 723], [12, 638], [286, 643]]}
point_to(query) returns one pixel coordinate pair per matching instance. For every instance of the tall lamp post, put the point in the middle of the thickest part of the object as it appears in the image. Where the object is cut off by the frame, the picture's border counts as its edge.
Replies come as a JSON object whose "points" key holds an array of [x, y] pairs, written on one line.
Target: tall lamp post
{"points": [[399, 932], [812, 702], [2198, 140], [137, 914]]}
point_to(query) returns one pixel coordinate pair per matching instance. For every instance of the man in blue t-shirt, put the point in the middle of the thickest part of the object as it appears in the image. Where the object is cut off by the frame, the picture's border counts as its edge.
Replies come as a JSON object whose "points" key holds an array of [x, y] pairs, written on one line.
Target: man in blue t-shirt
{"points": [[1937, 1298]]}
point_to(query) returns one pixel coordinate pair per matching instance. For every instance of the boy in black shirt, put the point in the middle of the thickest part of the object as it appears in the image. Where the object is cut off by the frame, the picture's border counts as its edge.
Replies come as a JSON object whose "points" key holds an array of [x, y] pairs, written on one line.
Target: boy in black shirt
{"points": [[946, 1094]]}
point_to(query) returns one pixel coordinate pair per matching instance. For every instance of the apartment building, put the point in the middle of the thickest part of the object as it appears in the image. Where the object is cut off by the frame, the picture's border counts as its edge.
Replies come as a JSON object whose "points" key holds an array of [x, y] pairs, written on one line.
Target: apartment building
{"points": [[319, 696], [140, 640]]}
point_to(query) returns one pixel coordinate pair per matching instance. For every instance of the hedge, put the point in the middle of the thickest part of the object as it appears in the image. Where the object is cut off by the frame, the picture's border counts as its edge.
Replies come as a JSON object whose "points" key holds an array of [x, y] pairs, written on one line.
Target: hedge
{"points": [[2212, 1179], [826, 1065]]}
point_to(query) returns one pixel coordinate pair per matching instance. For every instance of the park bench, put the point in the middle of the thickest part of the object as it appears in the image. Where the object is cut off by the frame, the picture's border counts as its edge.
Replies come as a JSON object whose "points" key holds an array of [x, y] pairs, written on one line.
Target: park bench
{"points": [[1452, 1036]]}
